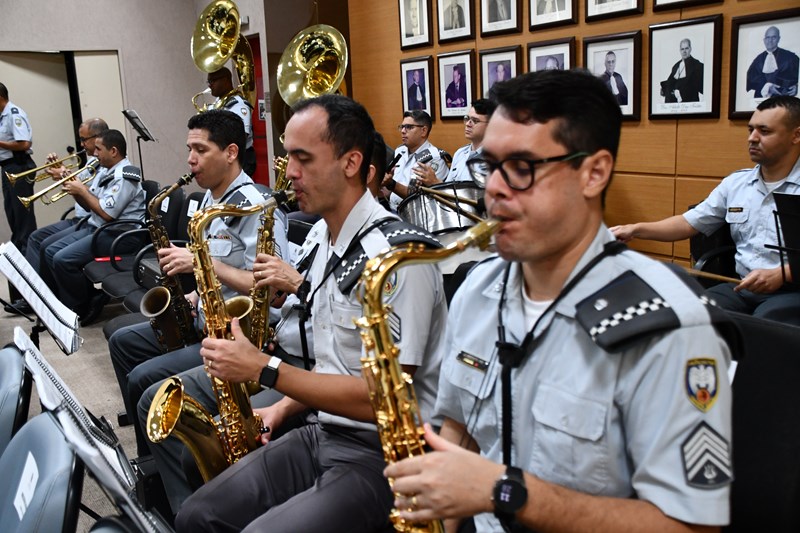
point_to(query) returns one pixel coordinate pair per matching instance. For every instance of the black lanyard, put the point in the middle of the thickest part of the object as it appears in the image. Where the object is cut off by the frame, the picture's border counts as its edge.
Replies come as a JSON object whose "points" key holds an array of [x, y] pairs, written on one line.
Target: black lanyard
{"points": [[511, 355]]}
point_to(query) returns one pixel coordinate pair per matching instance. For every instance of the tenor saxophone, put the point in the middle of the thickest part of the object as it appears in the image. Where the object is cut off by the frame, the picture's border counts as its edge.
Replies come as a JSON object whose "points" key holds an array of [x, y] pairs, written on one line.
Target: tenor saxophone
{"points": [[391, 390], [214, 445], [169, 311], [260, 332]]}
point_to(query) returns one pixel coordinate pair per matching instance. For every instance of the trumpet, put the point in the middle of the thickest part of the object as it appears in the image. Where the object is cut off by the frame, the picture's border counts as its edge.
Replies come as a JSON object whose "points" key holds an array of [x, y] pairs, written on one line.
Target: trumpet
{"points": [[28, 200], [33, 175]]}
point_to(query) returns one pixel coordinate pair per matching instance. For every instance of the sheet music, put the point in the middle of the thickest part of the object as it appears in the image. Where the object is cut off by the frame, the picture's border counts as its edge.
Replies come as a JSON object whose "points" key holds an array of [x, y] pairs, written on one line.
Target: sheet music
{"points": [[99, 450], [61, 321]]}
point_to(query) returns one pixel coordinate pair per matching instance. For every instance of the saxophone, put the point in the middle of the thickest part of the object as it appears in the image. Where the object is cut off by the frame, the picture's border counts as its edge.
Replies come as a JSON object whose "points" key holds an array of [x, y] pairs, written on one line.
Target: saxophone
{"points": [[391, 390], [169, 311], [214, 445], [260, 332]]}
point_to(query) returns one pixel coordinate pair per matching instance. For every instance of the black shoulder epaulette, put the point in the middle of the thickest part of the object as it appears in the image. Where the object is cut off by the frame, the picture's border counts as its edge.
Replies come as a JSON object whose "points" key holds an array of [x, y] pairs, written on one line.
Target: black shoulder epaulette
{"points": [[624, 312], [239, 199], [132, 173], [397, 232]]}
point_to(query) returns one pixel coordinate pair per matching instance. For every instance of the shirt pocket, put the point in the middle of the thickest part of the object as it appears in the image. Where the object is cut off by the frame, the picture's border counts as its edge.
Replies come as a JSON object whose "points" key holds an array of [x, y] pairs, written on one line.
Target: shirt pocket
{"points": [[569, 440], [346, 335], [739, 216], [475, 388], [220, 247]]}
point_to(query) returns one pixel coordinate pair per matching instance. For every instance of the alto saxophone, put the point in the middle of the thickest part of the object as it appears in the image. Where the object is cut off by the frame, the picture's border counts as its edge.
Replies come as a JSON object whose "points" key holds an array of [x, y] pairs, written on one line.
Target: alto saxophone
{"points": [[260, 332], [391, 390], [167, 308], [214, 445]]}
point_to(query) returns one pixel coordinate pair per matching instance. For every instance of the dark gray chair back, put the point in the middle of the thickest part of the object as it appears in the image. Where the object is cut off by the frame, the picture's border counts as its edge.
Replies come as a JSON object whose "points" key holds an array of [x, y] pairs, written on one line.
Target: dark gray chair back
{"points": [[15, 394]]}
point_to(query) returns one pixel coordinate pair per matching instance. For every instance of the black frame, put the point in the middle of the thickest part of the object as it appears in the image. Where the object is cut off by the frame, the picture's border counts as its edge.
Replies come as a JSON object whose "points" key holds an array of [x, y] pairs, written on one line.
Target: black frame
{"points": [[425, 63], [469, 21], [570, 45], [612, 12], [684, 109], [425, 39], [735, 110], [663, 5], [631, 110], [514, 26], [468, 58], [571, 18]]}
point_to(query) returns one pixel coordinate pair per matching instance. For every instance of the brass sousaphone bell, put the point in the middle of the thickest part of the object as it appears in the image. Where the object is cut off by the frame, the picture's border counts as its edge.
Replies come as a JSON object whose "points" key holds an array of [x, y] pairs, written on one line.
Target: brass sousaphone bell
{"points": [[217, 39]]}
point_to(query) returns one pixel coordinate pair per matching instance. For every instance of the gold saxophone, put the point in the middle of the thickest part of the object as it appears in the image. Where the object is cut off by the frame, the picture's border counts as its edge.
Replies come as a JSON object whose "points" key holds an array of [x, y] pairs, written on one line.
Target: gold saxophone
{"points": [[214, 445], [391, 390], [166, 306], [260, 332]]}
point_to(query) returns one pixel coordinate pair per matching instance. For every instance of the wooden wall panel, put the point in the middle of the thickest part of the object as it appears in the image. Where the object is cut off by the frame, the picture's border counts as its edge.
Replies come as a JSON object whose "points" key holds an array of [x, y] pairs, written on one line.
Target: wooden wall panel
{"points": [[690, 191], [660, 162]]}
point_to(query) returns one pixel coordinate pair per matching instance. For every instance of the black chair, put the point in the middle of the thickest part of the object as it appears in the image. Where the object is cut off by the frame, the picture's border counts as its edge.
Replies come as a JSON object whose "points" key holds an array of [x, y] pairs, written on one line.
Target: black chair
{"points": [[714, 254], [766, 428], [52, 503], [15, 394]]}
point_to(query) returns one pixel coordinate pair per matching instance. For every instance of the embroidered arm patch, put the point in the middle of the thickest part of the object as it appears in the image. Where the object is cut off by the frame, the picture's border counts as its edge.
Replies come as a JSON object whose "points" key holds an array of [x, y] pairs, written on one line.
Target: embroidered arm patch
{"points": [[706, 458]]}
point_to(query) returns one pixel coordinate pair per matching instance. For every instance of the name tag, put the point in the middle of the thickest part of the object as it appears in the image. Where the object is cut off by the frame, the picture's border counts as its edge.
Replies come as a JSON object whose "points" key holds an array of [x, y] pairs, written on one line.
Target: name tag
{"points": [[735, 209], [472, 361]]}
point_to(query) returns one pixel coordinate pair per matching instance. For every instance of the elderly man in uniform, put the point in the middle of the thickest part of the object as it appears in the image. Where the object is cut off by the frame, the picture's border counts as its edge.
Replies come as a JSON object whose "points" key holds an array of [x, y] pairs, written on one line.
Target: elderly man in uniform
{"points": [[216, 141], [774, 71], [221, 84], [584, 421], [16, 139], [325, 476], [116, 194], [416, 156], [745, 201]]}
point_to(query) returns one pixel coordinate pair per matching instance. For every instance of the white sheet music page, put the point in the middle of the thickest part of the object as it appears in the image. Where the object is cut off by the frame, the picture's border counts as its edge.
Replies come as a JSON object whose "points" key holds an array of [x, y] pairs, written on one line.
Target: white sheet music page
{"points": [[61, 321]]}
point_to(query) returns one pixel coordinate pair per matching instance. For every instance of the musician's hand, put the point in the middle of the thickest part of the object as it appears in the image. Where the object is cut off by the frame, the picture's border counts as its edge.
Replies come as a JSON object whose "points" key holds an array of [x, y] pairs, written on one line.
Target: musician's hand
{"points": [[175, 260], [425, 174], [449, 482], [193, 298], [75, 187], [233, 360], [278, 274], [272, 418], [624, 233], [762, 281]]}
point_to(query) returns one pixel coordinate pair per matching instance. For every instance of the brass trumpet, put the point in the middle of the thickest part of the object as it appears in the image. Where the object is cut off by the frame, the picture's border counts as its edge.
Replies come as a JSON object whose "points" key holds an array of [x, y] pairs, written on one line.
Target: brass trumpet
{"points": [[28, 200], [44, 175]]}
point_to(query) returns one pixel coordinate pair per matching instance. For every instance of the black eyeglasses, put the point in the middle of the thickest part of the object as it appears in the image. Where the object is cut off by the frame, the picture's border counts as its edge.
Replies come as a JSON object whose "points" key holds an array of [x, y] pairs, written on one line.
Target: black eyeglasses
{"points": [[518, 173], [84, 139], [474, 120], [402, 127]]}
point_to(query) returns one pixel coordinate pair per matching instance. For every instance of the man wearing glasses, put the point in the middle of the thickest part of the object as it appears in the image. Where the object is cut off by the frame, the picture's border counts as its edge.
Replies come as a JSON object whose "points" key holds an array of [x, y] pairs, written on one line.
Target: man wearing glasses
{"points": [[417, 156], [587, 355]]}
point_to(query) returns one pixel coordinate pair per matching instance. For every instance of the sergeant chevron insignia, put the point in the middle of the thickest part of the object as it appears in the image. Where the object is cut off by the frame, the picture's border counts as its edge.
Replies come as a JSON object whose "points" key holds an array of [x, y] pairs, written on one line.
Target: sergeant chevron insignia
{"points": [[395, 326], [706, 458], [701, 382]]}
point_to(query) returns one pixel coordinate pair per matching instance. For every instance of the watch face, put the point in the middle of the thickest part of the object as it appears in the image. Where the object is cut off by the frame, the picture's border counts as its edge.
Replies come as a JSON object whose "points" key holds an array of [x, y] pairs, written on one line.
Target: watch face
{"points": [[510, 495]]}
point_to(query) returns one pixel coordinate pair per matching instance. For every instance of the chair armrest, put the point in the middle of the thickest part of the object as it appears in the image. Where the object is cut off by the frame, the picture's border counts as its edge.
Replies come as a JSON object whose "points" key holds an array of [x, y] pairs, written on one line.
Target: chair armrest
{"points": [[109, 226], [67, 212], [713, 254], [137, 233]]}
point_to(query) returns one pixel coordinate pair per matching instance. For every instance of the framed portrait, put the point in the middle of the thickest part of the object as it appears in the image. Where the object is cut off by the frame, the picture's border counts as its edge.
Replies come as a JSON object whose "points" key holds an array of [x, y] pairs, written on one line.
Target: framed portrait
{"points": [[417, 83], [499, 64], [660, 5], [415, 23], [556, 54], [603, 9], [456, 20], [755, 75], [685, 67], [500, 16], [456, 89], [549, 13], [616, 60]]}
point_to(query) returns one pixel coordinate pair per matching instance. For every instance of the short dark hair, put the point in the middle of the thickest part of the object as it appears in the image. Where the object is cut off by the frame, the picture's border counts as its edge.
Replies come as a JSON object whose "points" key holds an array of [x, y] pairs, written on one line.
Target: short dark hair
{"points": [[381, 155], [420, 117], [484, 106], [224, 128], [790, 103], [96, 126], [3, 92], [349, 126], [587, 114], [114, 139]]}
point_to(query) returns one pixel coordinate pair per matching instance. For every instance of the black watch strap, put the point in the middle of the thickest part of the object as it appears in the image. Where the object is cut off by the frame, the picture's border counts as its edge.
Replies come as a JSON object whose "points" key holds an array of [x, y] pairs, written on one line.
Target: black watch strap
{"points": [[510, 495], [269, 374]]}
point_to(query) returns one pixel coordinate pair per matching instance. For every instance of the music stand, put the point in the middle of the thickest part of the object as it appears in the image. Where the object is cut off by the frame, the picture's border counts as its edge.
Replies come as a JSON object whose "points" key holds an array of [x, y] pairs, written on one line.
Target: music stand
{"points": [[787, 223], [141, 129]]}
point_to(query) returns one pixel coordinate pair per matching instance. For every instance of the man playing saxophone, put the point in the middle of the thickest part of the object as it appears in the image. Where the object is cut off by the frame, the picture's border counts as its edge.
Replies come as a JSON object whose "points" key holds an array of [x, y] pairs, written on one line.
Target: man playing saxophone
{"points": [[215, 142], [325, 476]]}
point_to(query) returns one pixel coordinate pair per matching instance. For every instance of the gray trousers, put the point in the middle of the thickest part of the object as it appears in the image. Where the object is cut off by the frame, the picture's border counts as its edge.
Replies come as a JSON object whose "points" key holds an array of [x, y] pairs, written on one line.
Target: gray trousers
{"points": [[168, 454], [781, 306], [311, 479]]}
